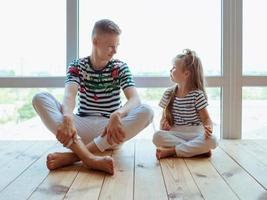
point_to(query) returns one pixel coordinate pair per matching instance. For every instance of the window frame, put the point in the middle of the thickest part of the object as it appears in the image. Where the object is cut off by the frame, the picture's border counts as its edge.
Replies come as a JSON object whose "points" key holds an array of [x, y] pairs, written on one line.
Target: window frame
{"points": [[231, 81]]}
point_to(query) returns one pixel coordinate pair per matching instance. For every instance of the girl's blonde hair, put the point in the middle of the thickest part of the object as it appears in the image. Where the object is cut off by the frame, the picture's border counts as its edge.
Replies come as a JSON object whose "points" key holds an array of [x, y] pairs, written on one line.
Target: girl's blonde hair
{"points": [[192, 63]]}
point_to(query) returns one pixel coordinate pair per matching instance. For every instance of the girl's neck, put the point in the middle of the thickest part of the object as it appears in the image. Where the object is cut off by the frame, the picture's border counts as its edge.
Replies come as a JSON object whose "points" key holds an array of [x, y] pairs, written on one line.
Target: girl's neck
{"points": [[183, 90]]}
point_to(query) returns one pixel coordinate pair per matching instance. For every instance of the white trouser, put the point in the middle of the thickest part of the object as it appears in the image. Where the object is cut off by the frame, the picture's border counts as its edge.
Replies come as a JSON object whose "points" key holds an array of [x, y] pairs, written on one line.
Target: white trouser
{"points": [[90, 128], [187, 140]]}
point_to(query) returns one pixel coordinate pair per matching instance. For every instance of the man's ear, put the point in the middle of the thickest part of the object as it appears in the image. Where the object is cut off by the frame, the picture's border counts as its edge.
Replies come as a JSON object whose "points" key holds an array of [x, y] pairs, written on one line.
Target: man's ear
{"points": [[94, 41]]}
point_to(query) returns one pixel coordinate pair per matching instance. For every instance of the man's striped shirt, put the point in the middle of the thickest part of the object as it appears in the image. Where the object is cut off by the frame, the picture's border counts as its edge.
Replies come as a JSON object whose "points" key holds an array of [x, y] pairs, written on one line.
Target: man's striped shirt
{"points": [[185, 109], [99, 90]]}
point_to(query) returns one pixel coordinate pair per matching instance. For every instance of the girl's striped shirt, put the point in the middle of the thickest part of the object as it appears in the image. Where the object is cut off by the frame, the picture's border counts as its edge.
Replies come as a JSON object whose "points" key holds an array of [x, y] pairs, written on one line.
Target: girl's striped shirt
{"points": [[99, 90], [185, 109]]}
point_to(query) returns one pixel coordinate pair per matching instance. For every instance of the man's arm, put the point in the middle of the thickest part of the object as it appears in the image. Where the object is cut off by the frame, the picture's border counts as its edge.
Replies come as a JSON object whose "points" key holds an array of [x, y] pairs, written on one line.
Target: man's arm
{"points": [[66, 130], [114, 131], [133, 101], [68, 103]]}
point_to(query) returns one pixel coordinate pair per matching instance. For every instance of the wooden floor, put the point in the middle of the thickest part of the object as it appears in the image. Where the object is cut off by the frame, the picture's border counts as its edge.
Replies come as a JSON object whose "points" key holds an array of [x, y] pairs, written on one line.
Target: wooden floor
{"points": [[236, 170]]}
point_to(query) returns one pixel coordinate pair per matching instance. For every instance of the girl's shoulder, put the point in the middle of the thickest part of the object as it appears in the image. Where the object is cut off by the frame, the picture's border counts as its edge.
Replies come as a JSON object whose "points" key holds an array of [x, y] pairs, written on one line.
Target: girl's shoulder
{"points": [[169, 91], [196, 92]]}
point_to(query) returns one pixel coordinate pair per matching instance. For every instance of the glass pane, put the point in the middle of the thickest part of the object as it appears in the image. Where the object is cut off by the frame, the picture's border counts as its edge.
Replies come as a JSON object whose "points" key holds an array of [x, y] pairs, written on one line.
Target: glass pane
{"points": [[19, 120], [152, 96], [254, 106], [254, 37], [33, 38], [154, 31]]}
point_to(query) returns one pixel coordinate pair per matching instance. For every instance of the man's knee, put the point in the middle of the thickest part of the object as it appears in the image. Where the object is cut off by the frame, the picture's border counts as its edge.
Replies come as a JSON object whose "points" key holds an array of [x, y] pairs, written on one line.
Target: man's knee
{"points": [[40, 99], [37, 99], [146, 112]]}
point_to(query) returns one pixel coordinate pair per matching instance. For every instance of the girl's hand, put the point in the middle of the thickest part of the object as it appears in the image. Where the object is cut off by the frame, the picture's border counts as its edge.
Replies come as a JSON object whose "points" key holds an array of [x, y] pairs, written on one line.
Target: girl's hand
{"points": [[208, 130], [164, 125]]}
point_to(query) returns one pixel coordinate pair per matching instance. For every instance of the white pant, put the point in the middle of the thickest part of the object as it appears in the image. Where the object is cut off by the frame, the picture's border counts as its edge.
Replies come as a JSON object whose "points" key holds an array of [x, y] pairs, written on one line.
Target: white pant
{"points": [[90, 128], [187, 140]]}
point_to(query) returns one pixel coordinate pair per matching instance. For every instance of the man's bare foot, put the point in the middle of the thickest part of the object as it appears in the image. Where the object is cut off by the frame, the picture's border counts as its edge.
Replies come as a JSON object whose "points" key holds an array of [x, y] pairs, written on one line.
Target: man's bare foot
{"points": [[165, 152], [57, 160], [105, 163]]}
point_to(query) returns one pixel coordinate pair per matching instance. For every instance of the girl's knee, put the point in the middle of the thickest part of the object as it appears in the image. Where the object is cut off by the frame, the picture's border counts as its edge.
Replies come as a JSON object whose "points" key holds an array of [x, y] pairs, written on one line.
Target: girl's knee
{"points": [[157, 138], [212, 141]]}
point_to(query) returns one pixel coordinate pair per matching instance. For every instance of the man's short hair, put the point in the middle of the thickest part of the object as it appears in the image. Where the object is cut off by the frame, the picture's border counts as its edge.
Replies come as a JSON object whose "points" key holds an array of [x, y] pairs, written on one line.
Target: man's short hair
{"points": [[106, 26]]}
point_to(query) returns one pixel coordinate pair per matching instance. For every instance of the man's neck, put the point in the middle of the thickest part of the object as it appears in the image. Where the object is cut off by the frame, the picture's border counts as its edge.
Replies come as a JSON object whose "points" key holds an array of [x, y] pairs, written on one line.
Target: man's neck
{"points": [[97, 63]]}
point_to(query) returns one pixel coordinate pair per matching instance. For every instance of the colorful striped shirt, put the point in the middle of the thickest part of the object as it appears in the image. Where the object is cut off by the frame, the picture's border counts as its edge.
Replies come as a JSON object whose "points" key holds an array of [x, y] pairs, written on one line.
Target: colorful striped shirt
{"points": [[185, 109], [99, 90]]}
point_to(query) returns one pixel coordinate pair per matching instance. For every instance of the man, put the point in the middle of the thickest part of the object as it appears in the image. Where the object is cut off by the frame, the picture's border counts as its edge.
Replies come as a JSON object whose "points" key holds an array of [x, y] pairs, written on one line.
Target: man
{"points": [[101, 122]]}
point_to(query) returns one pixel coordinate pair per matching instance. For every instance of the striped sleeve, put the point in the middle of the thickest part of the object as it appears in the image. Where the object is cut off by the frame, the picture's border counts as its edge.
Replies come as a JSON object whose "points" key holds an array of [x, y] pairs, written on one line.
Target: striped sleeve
{"points": [[165, 98], [201, 101], [126, 78], [73, 73]]}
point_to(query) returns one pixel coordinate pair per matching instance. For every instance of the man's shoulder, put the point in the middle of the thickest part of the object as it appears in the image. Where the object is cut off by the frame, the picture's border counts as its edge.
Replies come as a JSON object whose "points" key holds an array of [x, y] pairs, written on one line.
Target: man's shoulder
{"points": [[79, 61], [118, 63]]}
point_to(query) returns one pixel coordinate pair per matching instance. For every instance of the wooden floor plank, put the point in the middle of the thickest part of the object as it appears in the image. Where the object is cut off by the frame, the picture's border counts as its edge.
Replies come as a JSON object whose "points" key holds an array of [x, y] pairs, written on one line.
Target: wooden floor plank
{"points": [[87, 184], [179, 182], [233, 173], [261, 143], [120, 185], [236, 170], [149, 183], [27, 182], [12, 170], [12, 149], [56, 184], [247, 160], [251, 147], [209, 182]]}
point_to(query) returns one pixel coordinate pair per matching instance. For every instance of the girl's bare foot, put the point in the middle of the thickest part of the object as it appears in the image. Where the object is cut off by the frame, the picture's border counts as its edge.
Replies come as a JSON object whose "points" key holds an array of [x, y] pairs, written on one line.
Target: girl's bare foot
{"points": [[57, 160], [204, 155], [105, 164], [165, 152]]}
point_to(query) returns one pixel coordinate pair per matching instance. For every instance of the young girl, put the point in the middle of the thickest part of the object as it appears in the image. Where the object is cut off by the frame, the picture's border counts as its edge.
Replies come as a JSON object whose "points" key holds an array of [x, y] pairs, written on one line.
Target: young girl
{"points": [[185, 126]]}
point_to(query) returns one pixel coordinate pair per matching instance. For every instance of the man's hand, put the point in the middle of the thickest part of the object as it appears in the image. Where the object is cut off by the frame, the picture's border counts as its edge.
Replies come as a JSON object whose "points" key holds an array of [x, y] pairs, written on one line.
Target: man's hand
{"points": [[66, 131], [113, 130], [164, 125]]}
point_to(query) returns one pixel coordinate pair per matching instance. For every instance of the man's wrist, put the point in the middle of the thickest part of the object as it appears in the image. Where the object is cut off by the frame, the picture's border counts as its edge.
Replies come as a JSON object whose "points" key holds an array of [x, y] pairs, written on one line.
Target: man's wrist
{"points": [[116, 114], [67, 117]]}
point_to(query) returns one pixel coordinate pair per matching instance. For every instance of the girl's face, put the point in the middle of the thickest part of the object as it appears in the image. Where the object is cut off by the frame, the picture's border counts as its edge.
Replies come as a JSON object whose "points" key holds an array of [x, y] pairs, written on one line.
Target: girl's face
{"points": [[178, 73]]}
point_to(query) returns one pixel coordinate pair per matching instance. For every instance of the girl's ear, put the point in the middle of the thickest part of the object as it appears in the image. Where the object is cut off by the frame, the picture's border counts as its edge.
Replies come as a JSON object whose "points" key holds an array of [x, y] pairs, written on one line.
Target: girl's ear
{"points": [[187, 73]]}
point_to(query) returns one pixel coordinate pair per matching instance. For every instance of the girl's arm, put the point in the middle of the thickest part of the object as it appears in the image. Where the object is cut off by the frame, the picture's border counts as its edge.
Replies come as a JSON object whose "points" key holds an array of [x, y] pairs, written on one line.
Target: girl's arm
{"points": [[164, 125], [207, 123]]}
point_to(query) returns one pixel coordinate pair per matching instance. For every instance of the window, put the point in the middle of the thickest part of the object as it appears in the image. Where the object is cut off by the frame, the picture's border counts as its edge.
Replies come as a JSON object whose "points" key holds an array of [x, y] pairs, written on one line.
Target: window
{"points": [[254, 106], [153, 32], [254, 37], [32, 38], [18, 118], [152, 96]]}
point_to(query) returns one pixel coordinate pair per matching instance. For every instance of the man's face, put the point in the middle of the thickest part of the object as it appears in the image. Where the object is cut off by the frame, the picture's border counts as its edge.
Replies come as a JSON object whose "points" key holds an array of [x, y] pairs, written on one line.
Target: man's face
{"points": [[106, 45]]}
